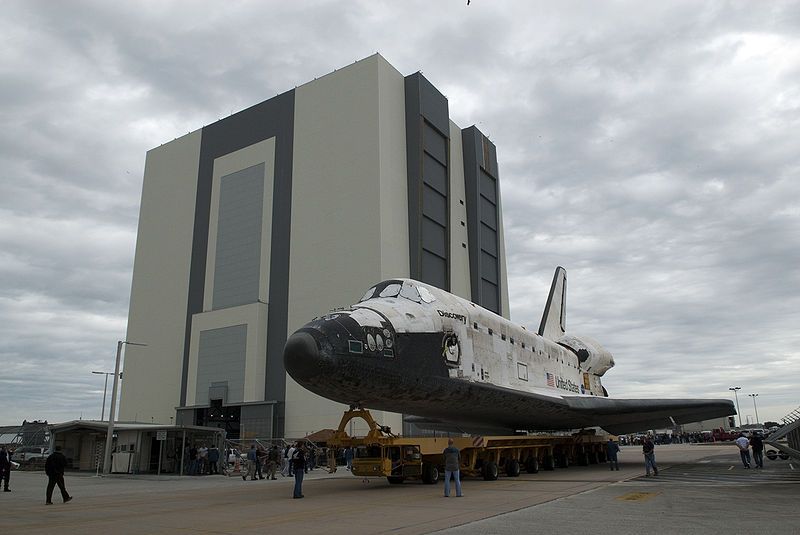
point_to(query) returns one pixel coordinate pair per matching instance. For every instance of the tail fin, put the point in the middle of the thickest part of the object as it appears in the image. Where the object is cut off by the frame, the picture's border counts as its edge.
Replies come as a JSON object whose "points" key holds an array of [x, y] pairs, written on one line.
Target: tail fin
{"points": [[554, 319]]}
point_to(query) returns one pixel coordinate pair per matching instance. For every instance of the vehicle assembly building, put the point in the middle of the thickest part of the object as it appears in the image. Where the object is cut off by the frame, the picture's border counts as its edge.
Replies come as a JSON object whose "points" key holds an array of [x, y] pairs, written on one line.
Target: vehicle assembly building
{"points": [[253, 224]]}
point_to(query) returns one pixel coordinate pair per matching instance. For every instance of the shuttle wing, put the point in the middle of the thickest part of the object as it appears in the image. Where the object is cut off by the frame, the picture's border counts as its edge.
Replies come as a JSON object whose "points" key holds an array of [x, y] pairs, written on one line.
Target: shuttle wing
{"points": [[502, 410], [620, 416]]}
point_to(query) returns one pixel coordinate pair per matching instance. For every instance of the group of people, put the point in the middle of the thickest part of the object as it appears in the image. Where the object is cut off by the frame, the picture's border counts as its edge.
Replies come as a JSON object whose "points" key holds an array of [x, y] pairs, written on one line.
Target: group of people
{"points": [[259, 461], [648, 450], [295, 460], [201, 460], [756, 442], [54, 468]]}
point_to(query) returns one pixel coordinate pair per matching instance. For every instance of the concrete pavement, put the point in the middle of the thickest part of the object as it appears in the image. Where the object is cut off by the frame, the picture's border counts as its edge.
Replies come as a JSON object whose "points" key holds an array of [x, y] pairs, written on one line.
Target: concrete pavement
{"points": [[342, 503]]}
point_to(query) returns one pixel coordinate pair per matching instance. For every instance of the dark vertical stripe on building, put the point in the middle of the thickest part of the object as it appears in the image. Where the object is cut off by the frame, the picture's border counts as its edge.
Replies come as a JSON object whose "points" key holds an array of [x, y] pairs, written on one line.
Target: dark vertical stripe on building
{"points": [[272, 118], [428, 162], [482, 192]]}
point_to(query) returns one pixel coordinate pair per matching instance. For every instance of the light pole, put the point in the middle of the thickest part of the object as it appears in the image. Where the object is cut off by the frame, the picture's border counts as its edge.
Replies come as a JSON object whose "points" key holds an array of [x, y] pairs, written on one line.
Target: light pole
{"points": [[111, 416], [735, 393], [105, 389], [754, 396]]}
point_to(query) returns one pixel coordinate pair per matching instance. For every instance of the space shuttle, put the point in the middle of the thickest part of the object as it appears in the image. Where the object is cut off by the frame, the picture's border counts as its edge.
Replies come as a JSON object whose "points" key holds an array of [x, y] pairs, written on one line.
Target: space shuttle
{"points": [[445, 362]]}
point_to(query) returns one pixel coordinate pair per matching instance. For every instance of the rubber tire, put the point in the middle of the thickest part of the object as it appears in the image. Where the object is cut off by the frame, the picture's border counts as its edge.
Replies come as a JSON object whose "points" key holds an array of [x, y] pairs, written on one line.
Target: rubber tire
{"points": [[430, 474], [772, 455], [532, 465], [548, 463], [395, 480], [783, 456], [490, 471], [512, 468]]}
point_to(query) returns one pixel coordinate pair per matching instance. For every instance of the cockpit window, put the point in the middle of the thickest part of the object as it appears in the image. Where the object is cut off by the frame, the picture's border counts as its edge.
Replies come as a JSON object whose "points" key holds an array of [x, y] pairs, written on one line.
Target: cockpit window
{"points": [[368, 295], [392, 290], [410, 293], [426, 295]]}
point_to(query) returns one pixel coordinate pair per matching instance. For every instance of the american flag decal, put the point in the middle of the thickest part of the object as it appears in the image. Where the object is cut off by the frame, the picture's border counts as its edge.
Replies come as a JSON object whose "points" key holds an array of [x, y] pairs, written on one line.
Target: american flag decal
{"points": [[551, 380]]}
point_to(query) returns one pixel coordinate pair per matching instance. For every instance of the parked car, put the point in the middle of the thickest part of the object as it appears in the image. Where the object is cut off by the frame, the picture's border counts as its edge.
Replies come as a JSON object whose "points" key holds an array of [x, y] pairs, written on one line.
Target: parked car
{"points": [[29, 454]]}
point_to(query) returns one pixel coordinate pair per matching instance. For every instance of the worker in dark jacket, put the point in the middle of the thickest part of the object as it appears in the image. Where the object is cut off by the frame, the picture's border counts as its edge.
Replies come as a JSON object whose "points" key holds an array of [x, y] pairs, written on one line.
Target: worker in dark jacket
{"points": [[54, 468], [757, 443], [5, 467], [299, 467]]}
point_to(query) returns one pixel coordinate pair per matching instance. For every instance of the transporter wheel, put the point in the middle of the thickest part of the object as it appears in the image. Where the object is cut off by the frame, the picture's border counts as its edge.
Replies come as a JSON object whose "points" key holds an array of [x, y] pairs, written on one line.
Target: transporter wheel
{"points": [[532, 465], [548, 463], [783, 456], [430, 473], [512, 468], [772, 455], [395, 480], [490, 471]]}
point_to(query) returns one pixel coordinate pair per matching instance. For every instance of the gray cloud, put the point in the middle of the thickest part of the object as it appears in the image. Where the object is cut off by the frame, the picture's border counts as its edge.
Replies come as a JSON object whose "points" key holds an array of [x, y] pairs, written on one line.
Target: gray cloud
{"points": [[650, 149]]}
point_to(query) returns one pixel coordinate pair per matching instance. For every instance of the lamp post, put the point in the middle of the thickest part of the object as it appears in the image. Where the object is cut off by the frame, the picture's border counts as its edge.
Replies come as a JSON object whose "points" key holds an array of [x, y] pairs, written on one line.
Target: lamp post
{"points": [[754, 396], [111, 416], [735, 393], [105, 389]]}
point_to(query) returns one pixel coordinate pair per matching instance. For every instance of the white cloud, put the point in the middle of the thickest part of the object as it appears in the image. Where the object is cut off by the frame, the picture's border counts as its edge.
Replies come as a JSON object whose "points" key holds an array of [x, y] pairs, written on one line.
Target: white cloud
{"points": [[650, 149]]}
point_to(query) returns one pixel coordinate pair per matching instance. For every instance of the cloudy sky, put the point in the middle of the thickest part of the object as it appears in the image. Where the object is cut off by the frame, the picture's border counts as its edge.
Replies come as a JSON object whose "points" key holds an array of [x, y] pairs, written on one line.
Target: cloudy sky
{"points": [[652, 149]]}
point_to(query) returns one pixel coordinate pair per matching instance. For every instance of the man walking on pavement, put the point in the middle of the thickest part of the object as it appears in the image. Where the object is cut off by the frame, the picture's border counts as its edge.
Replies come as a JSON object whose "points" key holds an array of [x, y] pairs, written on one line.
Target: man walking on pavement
{"points": [[648, 449], [5, 467], [452, 467], [612, 449], [54, 468], [744, 449], [757, 443]]}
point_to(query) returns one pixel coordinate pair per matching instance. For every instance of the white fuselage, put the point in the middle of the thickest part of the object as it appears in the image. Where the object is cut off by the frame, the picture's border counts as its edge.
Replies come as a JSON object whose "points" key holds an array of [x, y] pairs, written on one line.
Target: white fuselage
{"points": [[490, 348]]}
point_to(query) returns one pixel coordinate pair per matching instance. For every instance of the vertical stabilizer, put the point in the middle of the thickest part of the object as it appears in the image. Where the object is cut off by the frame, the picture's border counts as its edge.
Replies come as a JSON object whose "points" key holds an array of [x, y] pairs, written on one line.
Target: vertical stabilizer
{"points": [[554, 319]]}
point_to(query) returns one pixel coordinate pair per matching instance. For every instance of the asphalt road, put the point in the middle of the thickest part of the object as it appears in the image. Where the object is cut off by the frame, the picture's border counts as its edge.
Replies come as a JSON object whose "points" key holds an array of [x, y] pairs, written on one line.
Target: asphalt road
{"points": [[700, 489]]}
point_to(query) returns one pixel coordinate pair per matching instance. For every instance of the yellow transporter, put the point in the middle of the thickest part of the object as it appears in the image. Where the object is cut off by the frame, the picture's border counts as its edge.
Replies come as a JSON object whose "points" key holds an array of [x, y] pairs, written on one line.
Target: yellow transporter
{"points": [[383, 454]]}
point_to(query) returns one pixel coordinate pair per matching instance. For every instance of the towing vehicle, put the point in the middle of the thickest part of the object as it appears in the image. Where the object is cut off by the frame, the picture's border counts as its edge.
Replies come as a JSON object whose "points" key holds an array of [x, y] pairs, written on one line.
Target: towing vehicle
{"points": [[380, 453]]}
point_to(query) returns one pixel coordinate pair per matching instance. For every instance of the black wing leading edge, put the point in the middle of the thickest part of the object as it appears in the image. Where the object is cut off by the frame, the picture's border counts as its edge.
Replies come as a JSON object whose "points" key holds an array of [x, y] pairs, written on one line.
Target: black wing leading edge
{"points": [[619, 416]]}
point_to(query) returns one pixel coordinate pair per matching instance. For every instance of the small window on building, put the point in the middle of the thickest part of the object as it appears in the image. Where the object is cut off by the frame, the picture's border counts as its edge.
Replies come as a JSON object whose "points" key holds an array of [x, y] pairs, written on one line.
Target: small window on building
{"points": [[522, 371], [502, 337], [512, 341], [523, 345], [475, 325], [490, 331]]}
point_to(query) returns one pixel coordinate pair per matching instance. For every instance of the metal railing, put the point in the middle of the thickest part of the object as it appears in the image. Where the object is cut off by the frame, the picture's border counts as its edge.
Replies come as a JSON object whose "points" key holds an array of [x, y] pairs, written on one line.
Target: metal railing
{"points": [[790, 432]]}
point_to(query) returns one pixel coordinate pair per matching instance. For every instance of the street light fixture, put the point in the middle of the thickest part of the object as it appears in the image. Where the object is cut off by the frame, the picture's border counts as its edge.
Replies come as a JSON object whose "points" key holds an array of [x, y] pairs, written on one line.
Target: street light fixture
{"points": [[735, 393], [111, 416], [105, 389], [754, 396]]}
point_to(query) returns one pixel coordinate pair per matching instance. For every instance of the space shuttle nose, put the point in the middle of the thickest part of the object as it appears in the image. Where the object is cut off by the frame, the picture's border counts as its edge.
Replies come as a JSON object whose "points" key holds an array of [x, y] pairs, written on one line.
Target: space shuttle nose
{"points": [[301, 357]]}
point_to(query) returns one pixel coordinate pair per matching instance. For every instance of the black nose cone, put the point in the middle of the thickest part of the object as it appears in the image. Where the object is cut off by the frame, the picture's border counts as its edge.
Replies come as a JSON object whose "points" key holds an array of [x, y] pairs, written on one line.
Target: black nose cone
{"points": [[301, 357]]}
